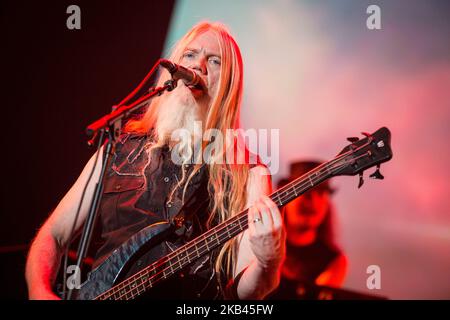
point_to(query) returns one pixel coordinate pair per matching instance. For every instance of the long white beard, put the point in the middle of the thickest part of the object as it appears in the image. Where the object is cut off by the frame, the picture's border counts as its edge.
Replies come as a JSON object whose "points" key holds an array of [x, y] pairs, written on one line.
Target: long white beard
{"points": [[178, 110]]}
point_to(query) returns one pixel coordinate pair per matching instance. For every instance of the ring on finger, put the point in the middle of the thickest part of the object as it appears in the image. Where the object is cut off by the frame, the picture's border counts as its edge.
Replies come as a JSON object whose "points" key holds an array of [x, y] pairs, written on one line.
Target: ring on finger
{"points": [[256, 220]]}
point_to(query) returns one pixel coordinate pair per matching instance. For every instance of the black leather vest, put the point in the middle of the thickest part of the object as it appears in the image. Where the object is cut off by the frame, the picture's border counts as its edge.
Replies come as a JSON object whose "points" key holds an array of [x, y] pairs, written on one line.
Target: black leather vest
{"points": [[131, 202]]}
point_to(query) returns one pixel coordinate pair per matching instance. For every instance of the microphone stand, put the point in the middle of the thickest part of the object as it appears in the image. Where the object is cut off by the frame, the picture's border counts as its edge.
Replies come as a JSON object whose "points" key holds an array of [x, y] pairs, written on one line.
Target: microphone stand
{"points": [[110, 124]]}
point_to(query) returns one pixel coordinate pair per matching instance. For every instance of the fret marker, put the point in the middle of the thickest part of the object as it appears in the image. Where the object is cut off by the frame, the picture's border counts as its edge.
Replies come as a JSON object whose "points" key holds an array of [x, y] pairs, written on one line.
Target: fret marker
{"points": [[196, 249]]}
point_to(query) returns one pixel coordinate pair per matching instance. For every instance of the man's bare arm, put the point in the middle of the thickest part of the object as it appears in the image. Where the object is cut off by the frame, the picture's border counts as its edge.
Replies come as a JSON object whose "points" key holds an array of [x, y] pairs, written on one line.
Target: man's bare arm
{"points": [[46, 250]]}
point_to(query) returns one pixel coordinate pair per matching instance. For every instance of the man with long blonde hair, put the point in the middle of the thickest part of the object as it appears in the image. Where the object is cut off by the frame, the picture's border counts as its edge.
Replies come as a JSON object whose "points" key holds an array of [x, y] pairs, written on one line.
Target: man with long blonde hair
{"points": [[145, 185]]}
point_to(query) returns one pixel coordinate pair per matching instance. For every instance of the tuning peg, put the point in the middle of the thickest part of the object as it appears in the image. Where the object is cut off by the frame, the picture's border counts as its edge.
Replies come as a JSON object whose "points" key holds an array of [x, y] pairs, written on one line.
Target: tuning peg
{"points": [[377, 174], [361, 180], [352, 139], [366, 134]]}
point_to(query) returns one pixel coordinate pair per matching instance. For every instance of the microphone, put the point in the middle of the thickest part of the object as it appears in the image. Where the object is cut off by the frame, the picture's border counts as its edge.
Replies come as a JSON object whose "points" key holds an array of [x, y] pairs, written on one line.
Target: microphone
{"points": [[189, 77]]}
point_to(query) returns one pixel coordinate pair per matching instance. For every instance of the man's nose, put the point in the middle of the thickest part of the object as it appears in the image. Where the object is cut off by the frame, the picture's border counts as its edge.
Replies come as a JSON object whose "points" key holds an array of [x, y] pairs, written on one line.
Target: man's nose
{"points": [[200, 65]]}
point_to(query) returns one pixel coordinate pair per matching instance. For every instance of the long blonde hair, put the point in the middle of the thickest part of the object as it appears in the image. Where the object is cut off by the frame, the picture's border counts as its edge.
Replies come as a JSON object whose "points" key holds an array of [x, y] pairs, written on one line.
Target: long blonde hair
{"points": [[227, 181]]}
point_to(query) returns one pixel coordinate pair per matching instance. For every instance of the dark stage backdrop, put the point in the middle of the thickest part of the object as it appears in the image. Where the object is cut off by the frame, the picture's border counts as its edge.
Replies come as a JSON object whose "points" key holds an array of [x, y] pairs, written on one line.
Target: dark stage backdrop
{"points": [[54, 82]]}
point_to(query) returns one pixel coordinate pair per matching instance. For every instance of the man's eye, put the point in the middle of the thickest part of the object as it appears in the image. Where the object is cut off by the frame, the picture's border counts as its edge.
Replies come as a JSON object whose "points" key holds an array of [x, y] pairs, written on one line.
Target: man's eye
{"points": [[188, 55], [215, 61]]}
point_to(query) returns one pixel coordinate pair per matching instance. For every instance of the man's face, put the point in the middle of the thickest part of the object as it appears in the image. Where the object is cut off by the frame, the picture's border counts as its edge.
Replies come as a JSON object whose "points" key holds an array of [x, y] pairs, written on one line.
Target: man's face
{"points": [[308, 211], [185, 105], [203, 56]]}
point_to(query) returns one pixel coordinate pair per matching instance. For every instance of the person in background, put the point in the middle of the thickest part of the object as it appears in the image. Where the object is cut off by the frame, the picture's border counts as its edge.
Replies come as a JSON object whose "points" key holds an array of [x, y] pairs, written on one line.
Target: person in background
{"points": [[312, 256]]}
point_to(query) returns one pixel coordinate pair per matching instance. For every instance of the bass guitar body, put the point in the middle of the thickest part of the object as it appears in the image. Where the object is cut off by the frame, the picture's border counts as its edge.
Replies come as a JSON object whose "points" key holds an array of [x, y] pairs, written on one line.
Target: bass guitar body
{"points": [[111, 271]]}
